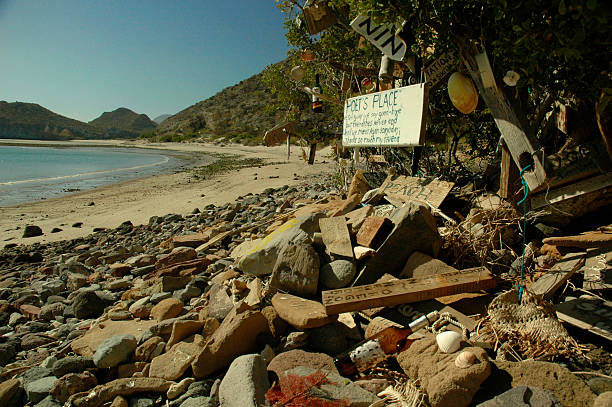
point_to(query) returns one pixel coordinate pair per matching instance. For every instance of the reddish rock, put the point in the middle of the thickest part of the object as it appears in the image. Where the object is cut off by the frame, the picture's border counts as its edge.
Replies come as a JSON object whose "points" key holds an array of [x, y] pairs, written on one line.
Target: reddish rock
{"points": [[166, 309], [172, 364], [181, 330], [300, 312], [29, 311], [72, 383], [297, 357], [120, 269], [178, 255], [128, 369], [143, 352]]}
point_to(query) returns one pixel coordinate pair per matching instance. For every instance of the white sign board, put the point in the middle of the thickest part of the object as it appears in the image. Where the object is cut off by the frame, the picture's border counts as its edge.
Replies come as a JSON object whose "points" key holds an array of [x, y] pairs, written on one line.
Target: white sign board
{"points": [[393, 118], [382, 36]]}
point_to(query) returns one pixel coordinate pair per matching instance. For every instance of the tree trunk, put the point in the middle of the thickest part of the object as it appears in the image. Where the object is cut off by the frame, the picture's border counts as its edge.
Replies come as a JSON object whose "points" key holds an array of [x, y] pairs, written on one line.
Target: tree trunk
{"points": [[311, 155]]}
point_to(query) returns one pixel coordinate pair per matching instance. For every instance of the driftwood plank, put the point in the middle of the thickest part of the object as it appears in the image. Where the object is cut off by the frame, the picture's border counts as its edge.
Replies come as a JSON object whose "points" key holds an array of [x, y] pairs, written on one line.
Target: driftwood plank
{"points": [[598, 270], [550, 282], [336, 236], [406, 291], [591, 314], [405, 188]]}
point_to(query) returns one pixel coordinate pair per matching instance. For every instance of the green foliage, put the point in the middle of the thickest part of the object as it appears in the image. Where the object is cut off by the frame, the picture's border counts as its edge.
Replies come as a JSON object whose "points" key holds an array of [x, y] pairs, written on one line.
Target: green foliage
{"points": [[226, 163]]}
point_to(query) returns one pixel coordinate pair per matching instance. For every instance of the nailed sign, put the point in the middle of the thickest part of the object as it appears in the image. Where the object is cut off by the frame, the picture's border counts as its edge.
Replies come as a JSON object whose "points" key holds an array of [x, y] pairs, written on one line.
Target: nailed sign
{"points": [[392, 118], [382, 36], [440, 68], [404, 189]]}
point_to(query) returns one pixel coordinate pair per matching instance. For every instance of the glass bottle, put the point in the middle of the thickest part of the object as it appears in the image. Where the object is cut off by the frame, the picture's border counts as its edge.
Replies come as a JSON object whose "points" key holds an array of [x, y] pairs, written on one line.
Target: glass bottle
{"points": [[385, 343], [317, 105]]}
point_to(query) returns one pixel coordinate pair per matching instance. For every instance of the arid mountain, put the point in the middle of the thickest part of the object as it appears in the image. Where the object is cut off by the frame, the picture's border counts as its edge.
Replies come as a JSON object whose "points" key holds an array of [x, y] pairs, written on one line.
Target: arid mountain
{"points": [[124, 119], [161, 118], [31, 121], [237, 109]]}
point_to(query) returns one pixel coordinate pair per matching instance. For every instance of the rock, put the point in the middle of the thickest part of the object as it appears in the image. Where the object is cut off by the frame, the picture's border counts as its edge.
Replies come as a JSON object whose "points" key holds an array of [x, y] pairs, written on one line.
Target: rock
{"points": [[33, 341], [297, 357], [176, 389], [220, 303], [39, 389], [119, 402], [330, 339], [188, 293], [420, 265], [337, 274], [120, 315], [181, 330], [178, 255], [129, 369], [120, 387], [166, 309], [72, 364], [523, 396], [141, 308], [50, 311], [600, 384], [603, 400], [157, 298], [32, 231], [141, 402], [48, 401], [88, 305], [336, 388], [566, 386], [414, 229], [72, 383], [198, 402], [144, 351], [235, 336], [114, 351], [172, 364], [191, 240], [75, 281], [444, 383], [301, 313], [247, 373], [262, 258], [8, 390], [296, 269]]}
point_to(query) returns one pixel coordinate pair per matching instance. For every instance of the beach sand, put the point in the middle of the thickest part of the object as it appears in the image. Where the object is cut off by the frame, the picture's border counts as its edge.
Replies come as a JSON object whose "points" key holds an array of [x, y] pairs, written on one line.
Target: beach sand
{"points": [[137, 200]]}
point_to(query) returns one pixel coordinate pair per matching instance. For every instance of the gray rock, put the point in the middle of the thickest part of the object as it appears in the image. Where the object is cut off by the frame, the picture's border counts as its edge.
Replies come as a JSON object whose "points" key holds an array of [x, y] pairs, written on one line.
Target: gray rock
{"points": [[51, 287], [337, 274], [35, 373], [262, 260], [114, 351], [247, 373], [155, 298], [220, 303], [296, 270], [188, 293], [600, 384], [523, 396], [198, 402], [330, 339], [339, 388], [75, 281], [141, 402], [88, 305], [39, 389], [72, 364], [32, 231], [48, 401], [50, 311]]}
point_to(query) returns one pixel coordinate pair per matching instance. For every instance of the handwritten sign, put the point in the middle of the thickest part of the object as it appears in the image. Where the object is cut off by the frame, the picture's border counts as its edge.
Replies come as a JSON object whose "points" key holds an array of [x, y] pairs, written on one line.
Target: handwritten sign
{"points": [[278, 133], [381, 36], [591, 314], [404, 291], [439, 69], [404, 189], [391, 118]]}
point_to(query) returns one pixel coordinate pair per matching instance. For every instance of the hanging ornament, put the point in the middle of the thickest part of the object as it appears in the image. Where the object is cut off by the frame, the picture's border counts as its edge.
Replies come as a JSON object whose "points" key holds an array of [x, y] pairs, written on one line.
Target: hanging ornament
{"points": [[511, 78], [462, 93], [307, 55], [317, 105], [368, 85], [297, 73]]}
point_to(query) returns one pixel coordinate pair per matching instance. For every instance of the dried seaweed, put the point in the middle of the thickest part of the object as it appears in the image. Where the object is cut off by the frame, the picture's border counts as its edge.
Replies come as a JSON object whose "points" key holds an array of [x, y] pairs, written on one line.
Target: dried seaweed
{"points": [[295, 391]]}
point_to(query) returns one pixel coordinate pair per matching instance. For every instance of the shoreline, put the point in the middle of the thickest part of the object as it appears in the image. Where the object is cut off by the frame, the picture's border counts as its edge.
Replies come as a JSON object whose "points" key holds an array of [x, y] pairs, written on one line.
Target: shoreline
{"points": [[136, 200]]}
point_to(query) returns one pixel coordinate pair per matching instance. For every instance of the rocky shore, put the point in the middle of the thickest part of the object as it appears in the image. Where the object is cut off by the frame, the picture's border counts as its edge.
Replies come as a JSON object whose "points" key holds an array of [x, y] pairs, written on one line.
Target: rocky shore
{"points": [[223, 306]]}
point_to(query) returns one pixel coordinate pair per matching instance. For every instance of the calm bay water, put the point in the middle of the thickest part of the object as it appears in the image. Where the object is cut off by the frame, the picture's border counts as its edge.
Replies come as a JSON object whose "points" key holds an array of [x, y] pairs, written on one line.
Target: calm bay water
{"points": [[30, 174]]}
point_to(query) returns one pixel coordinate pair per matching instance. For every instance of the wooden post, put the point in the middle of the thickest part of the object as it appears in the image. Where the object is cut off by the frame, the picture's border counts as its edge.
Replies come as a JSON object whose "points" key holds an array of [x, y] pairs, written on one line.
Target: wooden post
{"points": [[311, 155], [289, 147], [509, 175]]}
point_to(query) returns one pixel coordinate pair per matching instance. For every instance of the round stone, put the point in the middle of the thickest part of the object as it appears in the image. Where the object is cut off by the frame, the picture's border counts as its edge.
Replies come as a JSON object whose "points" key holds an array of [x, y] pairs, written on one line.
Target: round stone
{"points": [[337, 274]]}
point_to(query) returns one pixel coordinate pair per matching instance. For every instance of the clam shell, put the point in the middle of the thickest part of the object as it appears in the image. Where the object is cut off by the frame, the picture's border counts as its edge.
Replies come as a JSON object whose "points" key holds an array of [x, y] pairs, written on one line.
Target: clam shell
{"points": [[448, 341], [465, 359]]}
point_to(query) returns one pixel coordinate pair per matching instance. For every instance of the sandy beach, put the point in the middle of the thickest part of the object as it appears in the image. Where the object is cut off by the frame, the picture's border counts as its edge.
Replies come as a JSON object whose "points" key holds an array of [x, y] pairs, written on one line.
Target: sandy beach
{"points": [[137, 200]]}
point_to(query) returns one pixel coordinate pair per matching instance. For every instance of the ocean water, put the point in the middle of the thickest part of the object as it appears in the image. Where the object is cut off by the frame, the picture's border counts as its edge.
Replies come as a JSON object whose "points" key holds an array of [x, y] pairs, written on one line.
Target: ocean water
{"points": [[29, 174]]}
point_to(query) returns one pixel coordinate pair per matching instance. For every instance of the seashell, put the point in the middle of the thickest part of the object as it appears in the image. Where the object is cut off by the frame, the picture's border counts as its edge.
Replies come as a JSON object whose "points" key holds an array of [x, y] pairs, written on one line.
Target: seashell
{"points": [[297, 73], [511, 78], [462, 93], [465, 359], [448, 341]]}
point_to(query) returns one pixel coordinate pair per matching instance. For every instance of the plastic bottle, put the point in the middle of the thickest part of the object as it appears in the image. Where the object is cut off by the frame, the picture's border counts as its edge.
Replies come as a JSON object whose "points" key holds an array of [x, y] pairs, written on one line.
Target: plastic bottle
{"points": [[385, 343]]}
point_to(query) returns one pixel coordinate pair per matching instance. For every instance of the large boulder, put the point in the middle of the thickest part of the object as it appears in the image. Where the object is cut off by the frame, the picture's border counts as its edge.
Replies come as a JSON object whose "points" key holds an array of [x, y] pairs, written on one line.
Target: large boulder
{"points": [[247, 373], [88, 304], [296, 269]]}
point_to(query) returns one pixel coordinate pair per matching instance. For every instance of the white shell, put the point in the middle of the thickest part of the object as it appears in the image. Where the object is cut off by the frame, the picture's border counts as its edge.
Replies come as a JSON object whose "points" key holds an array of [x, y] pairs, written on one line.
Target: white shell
{"points": [[465, 359], [448, 341], [297, 73], [511, 78]]}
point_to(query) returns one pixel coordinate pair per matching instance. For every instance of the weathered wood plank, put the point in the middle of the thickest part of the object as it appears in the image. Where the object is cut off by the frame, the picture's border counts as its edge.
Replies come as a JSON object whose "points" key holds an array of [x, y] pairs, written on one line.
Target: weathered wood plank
{"points": [[404, 189], [591, 314], [374, 231], [550, 282], [336, 236], [509, 175], [598, 270], [406, 291], [570, 191]]}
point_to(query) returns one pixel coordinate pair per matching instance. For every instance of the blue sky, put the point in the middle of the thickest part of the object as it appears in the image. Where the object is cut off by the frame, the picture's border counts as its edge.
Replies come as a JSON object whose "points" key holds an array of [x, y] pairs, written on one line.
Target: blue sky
{"points": [[80, 58]]}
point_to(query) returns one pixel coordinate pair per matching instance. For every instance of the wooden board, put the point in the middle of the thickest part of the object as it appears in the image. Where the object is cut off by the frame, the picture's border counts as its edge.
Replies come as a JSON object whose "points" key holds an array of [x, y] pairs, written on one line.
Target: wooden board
{"points": [[571, 191], [381, 36], [550, 282], [509, 175], [440, 68], [597, 270], [318, 17], [406, 291], [591, 314], [278, 133], [374, 231], [404, 189], [336, 236]]}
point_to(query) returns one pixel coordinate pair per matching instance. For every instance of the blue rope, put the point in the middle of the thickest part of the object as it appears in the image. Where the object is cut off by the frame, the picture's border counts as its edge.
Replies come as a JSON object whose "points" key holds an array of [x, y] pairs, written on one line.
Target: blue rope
{"points": [[523, 201]]}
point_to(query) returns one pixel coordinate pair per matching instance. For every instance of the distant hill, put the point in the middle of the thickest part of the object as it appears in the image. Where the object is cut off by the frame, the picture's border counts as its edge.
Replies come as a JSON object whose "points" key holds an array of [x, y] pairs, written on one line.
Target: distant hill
{"points": [[124, 119], [31, 121], [161, 118], [235, 109]]}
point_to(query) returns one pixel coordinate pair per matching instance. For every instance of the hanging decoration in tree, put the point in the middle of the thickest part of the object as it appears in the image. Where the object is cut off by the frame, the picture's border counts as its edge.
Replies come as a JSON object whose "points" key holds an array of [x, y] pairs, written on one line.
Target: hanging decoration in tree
{"points": [[368, 85], [307, 55], [511, 78], [462, 93], [317, 105], [297, 73]]}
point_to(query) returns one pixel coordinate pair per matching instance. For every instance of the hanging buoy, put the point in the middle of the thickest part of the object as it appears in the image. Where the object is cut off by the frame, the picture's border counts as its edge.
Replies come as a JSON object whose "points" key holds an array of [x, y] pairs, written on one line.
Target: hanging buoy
{"points": [[297, 73], [511, 78], [307, 55], [462, 93], [385, 73]]}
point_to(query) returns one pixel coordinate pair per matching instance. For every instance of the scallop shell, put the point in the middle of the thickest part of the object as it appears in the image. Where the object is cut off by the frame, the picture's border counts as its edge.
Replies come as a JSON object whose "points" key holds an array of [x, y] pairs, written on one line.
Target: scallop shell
{"points": [[448, 341], [465, 359]]}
